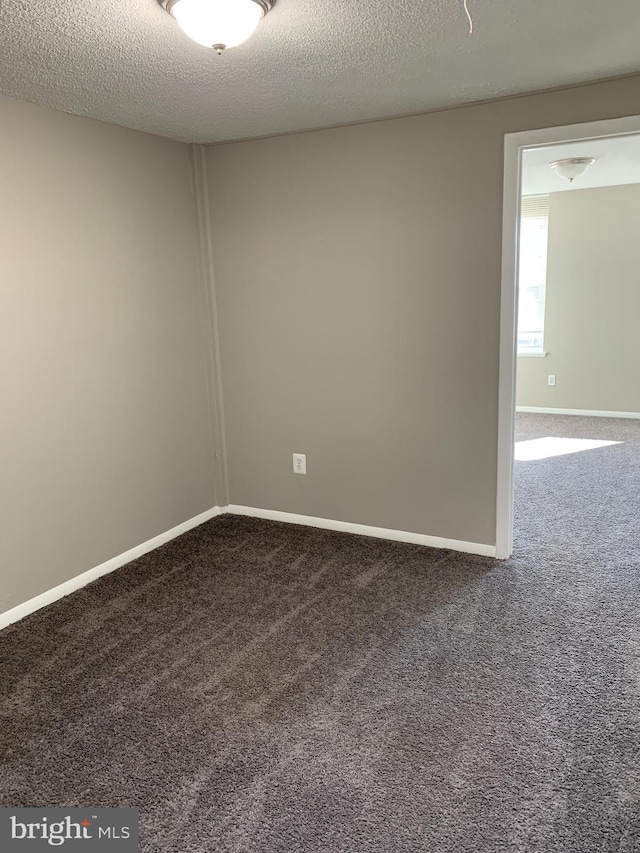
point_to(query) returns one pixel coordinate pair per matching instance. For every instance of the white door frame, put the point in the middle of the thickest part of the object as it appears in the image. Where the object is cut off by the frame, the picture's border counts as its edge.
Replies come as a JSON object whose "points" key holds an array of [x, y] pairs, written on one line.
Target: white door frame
{"points": [[514, 145]]}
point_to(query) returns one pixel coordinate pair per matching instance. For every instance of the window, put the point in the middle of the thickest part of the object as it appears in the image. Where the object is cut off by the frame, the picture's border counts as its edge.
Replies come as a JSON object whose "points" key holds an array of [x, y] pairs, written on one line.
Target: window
{"points": [[532, 274]]}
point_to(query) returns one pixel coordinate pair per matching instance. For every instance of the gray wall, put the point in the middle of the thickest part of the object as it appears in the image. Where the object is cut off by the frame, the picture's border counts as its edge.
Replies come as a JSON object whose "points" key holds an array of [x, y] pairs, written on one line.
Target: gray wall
{"points": [[105, 428], [358, 283], [592, 305]]}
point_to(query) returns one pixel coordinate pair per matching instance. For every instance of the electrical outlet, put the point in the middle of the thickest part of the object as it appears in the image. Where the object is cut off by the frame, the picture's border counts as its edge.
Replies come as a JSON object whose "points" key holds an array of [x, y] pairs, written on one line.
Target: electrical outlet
{"points": [[299, 463], [551, 379]]}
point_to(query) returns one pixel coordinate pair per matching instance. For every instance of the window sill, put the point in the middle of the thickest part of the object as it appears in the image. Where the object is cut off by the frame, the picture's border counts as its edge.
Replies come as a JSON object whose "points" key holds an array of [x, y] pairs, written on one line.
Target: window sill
{"points": [[532, 354]]}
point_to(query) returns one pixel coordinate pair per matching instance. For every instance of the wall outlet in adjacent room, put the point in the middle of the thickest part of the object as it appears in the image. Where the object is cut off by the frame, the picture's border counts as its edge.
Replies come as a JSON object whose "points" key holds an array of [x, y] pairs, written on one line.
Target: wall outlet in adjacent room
{"points": [[299, 463], [551, 379]]}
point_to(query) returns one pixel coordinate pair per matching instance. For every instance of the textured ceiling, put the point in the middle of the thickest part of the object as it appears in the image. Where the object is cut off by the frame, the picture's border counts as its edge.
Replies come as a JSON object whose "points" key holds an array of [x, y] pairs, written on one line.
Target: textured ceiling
{"points": [[617, 162], [312, 63]]}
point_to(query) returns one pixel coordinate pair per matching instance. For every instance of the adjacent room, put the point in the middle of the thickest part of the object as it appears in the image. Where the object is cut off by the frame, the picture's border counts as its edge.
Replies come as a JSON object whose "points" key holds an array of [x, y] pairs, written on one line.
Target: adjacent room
{"points": [[577, 445], [270, 577]]}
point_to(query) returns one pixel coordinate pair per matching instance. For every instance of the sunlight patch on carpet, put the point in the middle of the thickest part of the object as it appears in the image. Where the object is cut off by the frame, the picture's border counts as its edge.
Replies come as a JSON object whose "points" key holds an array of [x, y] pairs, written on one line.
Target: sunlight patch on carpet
{"points": [[544, 448]]}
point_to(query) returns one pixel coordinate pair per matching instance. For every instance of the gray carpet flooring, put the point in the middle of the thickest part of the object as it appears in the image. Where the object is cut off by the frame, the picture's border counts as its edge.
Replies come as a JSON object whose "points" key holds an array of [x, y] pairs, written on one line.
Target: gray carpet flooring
{"points": [[254, 686]]}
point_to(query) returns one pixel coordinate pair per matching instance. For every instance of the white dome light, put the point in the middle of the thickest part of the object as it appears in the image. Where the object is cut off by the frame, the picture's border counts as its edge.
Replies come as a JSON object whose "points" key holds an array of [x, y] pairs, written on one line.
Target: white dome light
{"points": [[572, 168], [218, 23]]}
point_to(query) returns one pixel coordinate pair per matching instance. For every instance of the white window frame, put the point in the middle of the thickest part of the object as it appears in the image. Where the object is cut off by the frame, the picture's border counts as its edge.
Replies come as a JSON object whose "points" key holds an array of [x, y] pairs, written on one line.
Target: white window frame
{"points": [[534, 211]]}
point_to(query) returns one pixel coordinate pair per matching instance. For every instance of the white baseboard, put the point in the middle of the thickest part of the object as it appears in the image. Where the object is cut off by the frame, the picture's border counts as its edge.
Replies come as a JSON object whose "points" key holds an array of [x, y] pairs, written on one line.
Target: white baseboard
{"points": [[66, 588], [587, 413], [51, 595], [365, 530]]}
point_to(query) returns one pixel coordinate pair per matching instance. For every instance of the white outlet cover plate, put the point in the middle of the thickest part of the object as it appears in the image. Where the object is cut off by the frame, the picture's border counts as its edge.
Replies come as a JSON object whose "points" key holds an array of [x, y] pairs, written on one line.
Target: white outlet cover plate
{"points": [[299, 463]]}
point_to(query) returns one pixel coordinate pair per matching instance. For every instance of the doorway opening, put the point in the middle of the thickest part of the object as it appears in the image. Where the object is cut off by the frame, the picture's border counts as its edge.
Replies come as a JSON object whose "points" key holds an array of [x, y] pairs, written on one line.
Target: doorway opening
{"points": [[569, 402]]}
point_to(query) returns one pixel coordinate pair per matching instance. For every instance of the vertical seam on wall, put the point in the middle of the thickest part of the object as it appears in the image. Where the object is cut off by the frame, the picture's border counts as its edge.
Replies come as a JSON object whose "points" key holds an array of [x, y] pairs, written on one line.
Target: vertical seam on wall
{"points": [[216, 405]]}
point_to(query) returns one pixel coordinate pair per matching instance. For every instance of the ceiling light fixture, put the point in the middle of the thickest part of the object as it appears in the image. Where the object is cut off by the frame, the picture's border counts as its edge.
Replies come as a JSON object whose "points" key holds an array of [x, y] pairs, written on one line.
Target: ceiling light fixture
{"points": [[572, 168], [218, 23]]}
